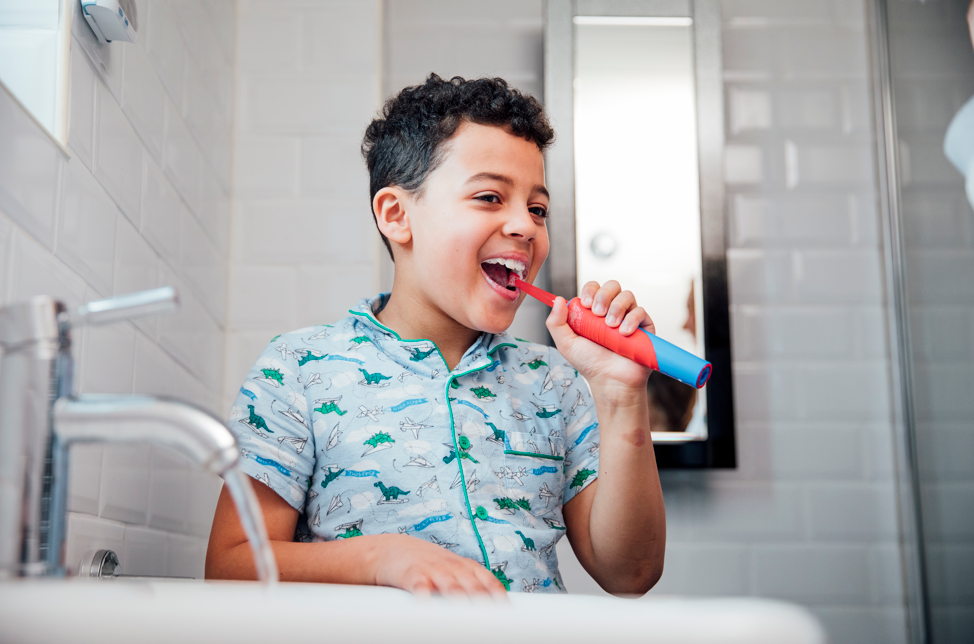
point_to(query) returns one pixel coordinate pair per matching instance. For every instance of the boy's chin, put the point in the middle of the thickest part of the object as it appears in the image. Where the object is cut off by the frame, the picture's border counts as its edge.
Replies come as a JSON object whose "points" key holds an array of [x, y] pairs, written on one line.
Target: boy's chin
{"points": [[494, 323]]}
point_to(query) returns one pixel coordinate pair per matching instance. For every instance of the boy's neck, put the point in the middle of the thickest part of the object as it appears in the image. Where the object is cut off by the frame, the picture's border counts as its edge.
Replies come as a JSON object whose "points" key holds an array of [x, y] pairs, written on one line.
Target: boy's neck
{"points": [[414, 318]]}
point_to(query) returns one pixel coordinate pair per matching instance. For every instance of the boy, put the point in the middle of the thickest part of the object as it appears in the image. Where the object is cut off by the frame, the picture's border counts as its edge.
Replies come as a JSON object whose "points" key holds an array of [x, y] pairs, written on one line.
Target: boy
{"points": [[420, 446]]}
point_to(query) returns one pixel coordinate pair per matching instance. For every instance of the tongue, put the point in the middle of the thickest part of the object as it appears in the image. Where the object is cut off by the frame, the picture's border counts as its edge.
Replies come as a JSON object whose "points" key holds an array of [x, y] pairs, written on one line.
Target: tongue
{"points": [[496, 273]]}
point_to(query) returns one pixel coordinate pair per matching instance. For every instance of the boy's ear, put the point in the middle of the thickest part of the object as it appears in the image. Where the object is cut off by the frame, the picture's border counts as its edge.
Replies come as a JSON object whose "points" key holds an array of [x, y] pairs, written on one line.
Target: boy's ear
{"points": [[391, 217]]}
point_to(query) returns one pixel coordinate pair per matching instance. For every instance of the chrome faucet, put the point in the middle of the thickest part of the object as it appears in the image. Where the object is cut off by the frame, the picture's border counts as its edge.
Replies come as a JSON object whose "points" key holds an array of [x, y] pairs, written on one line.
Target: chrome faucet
{"points": [[40, 419]]}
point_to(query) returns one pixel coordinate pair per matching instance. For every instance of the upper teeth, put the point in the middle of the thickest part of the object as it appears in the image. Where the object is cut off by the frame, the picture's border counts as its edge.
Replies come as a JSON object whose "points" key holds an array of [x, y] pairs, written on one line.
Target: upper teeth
{"points": [[512, 264]]}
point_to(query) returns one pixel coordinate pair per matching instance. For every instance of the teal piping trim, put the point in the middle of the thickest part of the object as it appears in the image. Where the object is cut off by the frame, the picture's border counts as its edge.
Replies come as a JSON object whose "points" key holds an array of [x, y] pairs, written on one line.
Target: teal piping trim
{"points": [[388, 330], [502, 344], [453, 431], [535, 455]]}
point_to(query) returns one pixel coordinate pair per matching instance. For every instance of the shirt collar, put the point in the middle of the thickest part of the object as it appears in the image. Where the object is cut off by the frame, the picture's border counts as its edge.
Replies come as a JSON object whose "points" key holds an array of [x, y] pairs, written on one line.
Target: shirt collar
{"points": [[482, 348]]}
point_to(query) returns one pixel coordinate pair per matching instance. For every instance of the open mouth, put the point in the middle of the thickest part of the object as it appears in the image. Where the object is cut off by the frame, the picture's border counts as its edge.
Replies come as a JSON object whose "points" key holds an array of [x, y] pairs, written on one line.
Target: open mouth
{"points": [[502, 271]]}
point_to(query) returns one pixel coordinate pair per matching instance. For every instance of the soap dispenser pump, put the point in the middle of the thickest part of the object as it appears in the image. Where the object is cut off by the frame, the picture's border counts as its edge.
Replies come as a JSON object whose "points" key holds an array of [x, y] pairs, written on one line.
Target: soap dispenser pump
{"points": [[112, 19]]}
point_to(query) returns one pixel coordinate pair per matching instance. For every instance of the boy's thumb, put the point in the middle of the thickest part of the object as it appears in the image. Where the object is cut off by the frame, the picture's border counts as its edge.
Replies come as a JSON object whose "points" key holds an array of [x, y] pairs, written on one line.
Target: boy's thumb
{"points": [[557, 321]]}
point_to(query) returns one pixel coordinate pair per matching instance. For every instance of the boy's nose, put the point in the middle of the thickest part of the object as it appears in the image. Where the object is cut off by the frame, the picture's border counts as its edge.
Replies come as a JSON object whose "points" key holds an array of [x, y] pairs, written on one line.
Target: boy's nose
{"points": [[520, 225]]}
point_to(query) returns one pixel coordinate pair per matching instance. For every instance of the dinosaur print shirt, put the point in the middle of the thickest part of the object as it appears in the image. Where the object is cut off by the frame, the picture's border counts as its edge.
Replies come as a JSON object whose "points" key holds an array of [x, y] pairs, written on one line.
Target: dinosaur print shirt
{"points": [[366, 433]]}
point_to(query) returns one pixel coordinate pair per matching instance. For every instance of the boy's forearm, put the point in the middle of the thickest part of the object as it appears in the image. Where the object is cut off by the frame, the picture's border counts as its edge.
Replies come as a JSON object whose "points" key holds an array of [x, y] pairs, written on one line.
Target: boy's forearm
{"points": [[347, 561], [627, 523]]}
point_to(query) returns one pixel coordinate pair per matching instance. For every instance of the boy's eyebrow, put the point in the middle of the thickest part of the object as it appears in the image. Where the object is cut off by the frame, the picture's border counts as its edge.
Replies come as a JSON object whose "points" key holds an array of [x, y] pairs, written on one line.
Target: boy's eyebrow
{"points": [[493, 176]]}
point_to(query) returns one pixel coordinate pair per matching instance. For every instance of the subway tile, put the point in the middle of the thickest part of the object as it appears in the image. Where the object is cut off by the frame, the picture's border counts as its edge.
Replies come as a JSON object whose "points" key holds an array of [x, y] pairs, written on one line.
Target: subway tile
{"points": [[144, 100], [822, 52], [936, 219], [29, 167], [789, 11], [281, 106], [136, 268], [852, 512], [817, 452], [932, 277], [943, 451], [35, 271], [333, 168], [203, 268], [750, 109], [942, 335], [811, 573], [789, 221], [165, 47], [202, 117], [405, 12], [767, 392], [6, 235], [743, 164], [202, 393], [352, 44], [223, 19], [839, 277], [213, 212], [84, 478], [326, 293], [751, 512], [886, 573], [268, 166], [195, 24], [270, 42], [833, 165], [186, 557], [749, 51], [807, 108], [154, 370], [191, 336], [763, 333], [169, 489], [162, 212], [108, 359], [263, 297], [856, 392], [205, 490], [943, 392], [86, 533], [125, 482], [86, 227], [81, 114], [724, 567], [288, 233], [946, 511], [118, 156], [181, 158], [144, 554], [759, 276], [862, 625], [880, 462]]}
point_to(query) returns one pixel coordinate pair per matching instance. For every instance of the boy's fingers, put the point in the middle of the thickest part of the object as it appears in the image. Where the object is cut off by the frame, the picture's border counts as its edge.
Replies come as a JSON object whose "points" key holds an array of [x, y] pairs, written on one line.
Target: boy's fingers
{"points": [[637, 318], [491, 583], [604, 297], [619, 307], [557, 322], [587, 294]]}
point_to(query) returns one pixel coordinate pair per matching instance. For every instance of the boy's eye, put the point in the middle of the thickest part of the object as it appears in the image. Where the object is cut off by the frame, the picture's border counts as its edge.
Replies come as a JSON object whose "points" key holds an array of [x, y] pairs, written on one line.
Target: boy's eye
{"points": [[489, 198], [538, 211]]}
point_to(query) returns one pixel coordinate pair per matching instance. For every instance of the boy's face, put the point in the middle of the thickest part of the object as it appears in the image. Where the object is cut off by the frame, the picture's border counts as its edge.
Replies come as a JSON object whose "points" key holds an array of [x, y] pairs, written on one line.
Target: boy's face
{"points": [[479, 221]]}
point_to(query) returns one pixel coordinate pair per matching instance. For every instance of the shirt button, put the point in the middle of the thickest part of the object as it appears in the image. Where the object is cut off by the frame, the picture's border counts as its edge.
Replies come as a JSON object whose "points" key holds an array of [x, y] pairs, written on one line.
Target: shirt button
{"points": [[481, 513], [464, 442]]}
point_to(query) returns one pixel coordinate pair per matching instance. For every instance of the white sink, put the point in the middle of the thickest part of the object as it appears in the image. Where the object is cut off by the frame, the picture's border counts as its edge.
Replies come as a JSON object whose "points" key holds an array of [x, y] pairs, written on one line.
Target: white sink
{"points": [[143, 610]]}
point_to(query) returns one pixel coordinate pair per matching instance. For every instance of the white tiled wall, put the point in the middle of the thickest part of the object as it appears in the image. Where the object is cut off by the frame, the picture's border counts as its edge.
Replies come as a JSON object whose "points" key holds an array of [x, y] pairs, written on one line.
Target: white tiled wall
{"points": [[304, 249], [141, 200]]}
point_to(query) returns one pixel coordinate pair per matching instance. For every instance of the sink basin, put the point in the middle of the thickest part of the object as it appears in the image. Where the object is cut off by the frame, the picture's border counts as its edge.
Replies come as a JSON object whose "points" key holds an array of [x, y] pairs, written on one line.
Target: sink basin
{"points": [[185, 611]]}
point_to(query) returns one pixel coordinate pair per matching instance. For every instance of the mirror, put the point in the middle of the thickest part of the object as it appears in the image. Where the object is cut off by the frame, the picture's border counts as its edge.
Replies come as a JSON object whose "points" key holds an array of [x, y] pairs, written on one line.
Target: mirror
{"points": [[643, 171]]}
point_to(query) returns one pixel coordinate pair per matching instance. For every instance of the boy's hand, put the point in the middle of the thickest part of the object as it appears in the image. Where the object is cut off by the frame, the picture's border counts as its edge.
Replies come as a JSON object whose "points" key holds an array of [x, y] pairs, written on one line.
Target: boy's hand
{"points": [[601, 367], [424, 568]]}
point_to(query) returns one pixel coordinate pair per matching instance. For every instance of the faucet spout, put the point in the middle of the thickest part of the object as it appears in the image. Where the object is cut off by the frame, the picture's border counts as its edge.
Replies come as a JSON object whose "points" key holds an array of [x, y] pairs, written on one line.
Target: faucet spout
{"points": [[115, 418]]}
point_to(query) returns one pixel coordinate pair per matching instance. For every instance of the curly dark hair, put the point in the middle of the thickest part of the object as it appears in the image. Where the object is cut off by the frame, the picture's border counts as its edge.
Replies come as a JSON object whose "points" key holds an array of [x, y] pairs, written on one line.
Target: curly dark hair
{"points": [[404, 144]]}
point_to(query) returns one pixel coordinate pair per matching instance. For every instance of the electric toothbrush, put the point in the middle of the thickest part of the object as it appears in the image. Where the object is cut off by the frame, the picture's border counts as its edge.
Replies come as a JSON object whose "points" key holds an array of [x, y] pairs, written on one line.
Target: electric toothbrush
{"points": [[645, 348]]}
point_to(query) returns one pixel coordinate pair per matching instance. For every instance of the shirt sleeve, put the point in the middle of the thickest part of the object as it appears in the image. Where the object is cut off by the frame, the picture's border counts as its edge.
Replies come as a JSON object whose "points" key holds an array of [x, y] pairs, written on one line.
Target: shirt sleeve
{"points": [[581, 433], [270, 421]]}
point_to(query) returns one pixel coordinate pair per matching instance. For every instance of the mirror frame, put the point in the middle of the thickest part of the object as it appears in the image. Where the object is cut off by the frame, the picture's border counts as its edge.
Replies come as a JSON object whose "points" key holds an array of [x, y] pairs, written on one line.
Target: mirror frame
{"points": [[719, 448]]}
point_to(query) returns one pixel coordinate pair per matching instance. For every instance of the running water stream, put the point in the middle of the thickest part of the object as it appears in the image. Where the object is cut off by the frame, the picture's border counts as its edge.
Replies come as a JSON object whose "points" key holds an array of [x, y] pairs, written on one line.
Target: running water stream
{"points": [[252, 519]]}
